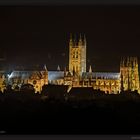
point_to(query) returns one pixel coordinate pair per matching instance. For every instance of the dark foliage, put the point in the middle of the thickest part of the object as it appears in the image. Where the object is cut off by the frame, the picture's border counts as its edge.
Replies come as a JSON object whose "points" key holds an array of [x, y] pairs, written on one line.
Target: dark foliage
{"points": [[27, 88], [102, 114]]}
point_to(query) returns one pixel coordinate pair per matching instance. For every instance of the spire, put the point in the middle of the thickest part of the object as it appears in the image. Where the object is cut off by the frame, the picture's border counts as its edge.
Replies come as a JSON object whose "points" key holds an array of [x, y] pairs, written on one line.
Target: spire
{"points": [[71, 41], [85, 40], [45, 68], [80, 40], [128, 62], [136, 61], [90, 69], [75, 42], [58, 68]]}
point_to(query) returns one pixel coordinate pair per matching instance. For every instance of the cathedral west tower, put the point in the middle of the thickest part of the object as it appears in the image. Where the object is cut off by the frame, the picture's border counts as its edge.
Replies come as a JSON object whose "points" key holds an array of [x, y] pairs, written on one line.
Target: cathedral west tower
{"points": [[129, 73]]}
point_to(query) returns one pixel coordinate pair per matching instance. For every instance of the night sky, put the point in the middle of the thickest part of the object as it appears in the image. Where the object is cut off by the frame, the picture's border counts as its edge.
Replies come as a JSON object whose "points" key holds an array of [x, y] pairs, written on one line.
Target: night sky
{"points": [[38, 35]]}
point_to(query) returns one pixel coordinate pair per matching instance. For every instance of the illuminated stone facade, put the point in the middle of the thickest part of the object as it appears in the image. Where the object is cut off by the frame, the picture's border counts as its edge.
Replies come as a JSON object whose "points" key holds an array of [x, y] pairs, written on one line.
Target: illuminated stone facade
{"points": [[77, 76], [3, 81], [104, 81], [129, 74], [36, 78], [126, 79]]}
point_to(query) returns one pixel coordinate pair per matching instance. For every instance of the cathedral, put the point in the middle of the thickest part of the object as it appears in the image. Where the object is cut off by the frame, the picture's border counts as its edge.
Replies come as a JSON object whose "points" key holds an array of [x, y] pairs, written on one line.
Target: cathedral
{"points": [[76, 75], [109, 82]]}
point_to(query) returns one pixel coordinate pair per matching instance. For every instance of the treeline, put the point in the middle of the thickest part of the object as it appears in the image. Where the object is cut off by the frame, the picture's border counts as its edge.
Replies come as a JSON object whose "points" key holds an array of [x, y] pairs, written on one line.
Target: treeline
{"points": [[57, 92], [82, 110]]}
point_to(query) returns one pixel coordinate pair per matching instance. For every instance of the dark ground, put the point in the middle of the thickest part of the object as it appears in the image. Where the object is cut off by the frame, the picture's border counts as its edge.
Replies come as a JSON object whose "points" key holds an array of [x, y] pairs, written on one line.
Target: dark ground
{"points": [[104, 114]]}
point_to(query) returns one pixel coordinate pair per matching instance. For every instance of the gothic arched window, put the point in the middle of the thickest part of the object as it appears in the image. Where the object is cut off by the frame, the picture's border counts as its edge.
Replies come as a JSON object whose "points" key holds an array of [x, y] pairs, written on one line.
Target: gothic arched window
{"points": [[77, 54]]}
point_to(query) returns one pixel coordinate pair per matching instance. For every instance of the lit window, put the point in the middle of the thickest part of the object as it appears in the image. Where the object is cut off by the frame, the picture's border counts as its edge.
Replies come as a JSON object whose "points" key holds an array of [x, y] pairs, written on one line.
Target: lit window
{"points": [[73, 56]]}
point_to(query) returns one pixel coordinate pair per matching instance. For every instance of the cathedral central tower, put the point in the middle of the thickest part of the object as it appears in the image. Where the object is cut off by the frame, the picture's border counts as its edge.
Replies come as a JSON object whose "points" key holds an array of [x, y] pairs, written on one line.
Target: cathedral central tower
{"points": [[77, 55]]}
